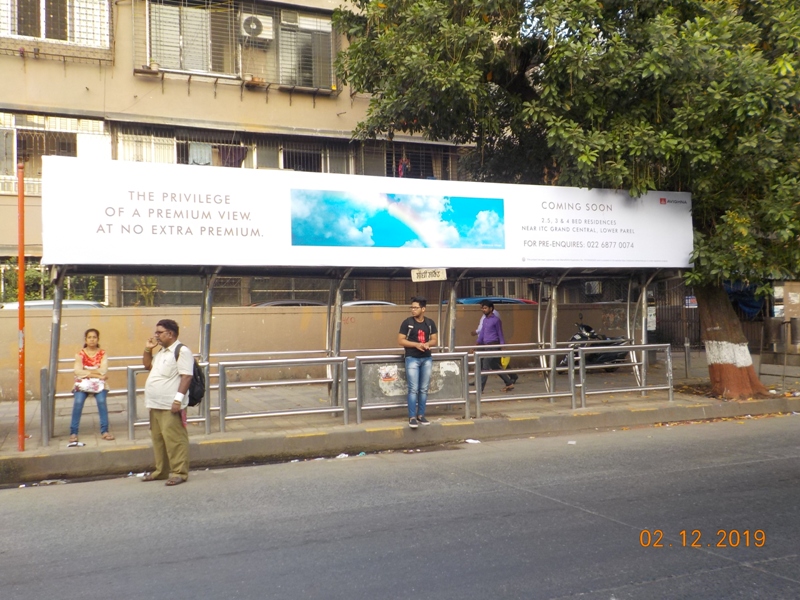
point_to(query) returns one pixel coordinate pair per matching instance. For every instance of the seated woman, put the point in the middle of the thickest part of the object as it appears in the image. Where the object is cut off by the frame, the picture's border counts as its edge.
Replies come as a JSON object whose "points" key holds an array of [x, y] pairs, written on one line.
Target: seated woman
{"points": [[91, 366]]}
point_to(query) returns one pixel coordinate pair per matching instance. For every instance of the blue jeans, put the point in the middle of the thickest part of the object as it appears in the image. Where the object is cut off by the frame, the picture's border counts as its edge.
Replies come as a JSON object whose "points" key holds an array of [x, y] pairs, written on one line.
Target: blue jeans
{"points": [[418, 376], [77, 409]]}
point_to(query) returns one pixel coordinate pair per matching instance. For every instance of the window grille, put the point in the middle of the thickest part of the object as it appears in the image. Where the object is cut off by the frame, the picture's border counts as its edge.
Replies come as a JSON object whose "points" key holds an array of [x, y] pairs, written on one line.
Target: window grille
{"points": [[423, 161], [76, 29], [142, 145], [260, 43], [27, 138], [231, 149]]}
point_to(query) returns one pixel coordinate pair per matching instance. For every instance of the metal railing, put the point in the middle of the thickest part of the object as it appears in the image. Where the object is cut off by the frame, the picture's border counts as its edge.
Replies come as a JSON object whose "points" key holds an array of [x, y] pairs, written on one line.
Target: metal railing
{"points": [[133, 391], [461, 357], [47, 412], [553, 353], [340, 367], [643, 387]]}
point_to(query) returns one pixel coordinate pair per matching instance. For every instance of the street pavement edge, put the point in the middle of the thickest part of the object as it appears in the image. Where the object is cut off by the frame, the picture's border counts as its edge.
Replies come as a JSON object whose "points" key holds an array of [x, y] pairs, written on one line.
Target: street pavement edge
{"points": [[260, 447]]}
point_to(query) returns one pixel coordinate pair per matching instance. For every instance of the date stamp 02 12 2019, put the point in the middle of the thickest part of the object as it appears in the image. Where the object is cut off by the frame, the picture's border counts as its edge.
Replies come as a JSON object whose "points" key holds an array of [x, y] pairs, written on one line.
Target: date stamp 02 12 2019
{"points": [[725, 538]]}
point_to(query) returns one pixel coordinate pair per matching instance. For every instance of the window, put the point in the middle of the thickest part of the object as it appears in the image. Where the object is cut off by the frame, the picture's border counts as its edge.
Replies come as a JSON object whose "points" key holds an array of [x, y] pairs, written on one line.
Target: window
{"points": [[287, 47], [210, 154], [315, 157], [32, 145], [142, 146], [81, 22], [7, 166], [260, 43], [305, 50], [191, 38]]}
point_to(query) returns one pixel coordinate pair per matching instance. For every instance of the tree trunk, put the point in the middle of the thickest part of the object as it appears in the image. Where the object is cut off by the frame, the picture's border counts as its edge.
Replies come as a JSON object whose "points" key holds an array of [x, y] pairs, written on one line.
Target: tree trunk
{"points": [[730, 366]]}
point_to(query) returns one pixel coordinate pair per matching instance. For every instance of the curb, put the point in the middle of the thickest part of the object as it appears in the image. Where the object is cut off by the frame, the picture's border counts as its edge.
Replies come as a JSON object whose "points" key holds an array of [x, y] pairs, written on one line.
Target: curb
{"points": [[261, 448]]}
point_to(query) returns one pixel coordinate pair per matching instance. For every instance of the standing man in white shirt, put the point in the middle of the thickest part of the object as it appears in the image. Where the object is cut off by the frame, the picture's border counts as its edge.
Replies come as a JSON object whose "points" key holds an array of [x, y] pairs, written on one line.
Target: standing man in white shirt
{"points": [[165, 394]]}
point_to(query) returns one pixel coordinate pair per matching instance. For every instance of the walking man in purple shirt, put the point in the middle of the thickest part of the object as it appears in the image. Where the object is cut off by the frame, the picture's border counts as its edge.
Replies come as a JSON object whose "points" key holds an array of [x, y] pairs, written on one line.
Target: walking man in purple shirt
{"points": [[491, 334]]}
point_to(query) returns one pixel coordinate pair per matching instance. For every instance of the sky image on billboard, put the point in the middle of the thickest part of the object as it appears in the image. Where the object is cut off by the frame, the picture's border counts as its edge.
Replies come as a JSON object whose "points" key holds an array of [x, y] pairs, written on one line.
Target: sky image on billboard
{"points": [[379, 220]]}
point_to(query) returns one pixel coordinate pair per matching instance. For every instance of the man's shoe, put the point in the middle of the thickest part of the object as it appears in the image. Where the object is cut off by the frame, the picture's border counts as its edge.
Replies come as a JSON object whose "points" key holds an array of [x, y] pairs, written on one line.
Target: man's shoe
{"points": [[412, 422], [423, 421]]}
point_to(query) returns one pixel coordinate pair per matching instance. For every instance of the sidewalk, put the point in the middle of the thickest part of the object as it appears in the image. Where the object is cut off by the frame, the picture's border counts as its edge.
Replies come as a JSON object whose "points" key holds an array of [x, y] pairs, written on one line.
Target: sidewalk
{"points": [[314, 435]]}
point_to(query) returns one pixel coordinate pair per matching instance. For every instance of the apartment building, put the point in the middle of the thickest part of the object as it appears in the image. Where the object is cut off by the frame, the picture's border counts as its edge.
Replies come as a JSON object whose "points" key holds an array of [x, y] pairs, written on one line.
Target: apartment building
{"points": [[230, 83]]}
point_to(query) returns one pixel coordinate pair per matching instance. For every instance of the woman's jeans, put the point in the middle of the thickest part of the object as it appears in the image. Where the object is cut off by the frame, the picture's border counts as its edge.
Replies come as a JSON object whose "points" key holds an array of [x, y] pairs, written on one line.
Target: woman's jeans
{"points": [[77, 409], [418, 376]]}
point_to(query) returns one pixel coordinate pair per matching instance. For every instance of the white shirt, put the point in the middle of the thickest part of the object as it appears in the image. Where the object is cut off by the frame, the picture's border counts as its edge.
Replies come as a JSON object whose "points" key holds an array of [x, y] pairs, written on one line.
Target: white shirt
{"points": [[165, 377]]}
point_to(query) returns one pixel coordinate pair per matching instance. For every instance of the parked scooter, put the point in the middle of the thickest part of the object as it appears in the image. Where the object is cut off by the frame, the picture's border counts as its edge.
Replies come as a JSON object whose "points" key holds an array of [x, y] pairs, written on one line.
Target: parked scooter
{"points": [[587, 336]]}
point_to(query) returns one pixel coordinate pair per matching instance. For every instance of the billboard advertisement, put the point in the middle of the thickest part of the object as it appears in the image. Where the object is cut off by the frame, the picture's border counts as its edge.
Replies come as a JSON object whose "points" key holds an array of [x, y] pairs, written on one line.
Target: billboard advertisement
{"points": [[130, 213]]}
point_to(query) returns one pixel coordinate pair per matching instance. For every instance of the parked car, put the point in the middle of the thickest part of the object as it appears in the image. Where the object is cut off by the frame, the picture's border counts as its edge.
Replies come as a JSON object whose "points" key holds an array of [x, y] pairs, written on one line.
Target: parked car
{"points": [[48, 304], [291, 302], [495, 299], [368, 303]]}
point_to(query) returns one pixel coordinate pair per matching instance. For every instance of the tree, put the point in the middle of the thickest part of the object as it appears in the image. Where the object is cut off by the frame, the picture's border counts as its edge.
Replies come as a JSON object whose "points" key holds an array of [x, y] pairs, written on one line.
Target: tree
{"points": [[694, 95]]}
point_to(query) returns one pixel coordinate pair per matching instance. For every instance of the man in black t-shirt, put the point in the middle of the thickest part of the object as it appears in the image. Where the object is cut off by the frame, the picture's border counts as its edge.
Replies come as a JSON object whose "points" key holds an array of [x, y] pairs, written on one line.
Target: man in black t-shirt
{"points": [[417, 336]]}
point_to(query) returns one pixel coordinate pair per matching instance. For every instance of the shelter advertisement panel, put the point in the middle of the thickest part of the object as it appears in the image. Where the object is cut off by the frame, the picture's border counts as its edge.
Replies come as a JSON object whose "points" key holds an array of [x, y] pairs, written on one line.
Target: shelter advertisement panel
{"points": [[128, 213]]}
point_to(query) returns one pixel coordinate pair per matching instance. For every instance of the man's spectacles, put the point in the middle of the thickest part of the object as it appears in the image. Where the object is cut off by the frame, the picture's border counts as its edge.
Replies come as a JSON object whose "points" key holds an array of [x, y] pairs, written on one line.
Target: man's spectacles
{"points": [[160, 332]]}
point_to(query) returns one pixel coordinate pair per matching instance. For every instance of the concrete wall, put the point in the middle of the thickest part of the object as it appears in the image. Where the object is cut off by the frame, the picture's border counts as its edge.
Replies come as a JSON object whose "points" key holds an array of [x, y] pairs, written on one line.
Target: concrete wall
{"points": [[123, 331]]}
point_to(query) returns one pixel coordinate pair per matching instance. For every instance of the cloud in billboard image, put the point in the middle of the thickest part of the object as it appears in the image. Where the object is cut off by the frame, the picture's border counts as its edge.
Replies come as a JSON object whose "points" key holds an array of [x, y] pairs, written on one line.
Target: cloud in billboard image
{"points": [[335, 218]]}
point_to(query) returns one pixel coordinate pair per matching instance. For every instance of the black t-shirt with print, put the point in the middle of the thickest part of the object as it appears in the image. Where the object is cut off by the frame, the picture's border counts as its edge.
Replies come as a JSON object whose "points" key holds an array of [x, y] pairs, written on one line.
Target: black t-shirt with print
{"points": [[418, 332]]}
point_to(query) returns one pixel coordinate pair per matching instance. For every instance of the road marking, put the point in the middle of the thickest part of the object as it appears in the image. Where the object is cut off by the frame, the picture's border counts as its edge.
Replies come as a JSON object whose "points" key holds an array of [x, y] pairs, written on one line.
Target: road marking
{"points": [[226, 441], [524, 419], [306, 435], [643, 409], [378, 429], [458, 423], [587, 414]]}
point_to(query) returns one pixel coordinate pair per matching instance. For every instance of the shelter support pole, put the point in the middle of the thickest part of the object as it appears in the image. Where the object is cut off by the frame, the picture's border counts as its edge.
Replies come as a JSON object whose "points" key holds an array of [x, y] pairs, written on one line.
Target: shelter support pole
{"points": [[451, 313], [630, 325], [643, 299], [441, 298], [43, 410], [55, 344], [451, 321], [21, 298], [205, 339], [328, 320], [553, 336], [337, 338]]}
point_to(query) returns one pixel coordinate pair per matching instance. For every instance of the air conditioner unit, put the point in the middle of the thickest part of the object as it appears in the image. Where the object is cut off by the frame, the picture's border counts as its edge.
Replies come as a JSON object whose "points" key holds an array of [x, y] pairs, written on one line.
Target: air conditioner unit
{"points": [[256, 27], [289, 17]]}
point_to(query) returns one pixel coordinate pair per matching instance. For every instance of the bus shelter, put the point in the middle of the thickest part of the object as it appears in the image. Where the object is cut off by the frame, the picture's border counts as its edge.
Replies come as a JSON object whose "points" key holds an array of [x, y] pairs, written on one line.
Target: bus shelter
{"points": [[212, 222]]}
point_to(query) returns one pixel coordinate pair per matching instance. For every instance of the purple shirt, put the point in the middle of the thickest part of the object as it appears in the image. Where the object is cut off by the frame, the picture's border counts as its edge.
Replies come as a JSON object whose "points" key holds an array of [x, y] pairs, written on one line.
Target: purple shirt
{"points": [[491, 332]]}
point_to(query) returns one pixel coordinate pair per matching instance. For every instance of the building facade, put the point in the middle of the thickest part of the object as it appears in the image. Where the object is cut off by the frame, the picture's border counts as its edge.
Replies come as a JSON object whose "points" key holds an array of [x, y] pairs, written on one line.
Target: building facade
{"points": [[232, 83]]}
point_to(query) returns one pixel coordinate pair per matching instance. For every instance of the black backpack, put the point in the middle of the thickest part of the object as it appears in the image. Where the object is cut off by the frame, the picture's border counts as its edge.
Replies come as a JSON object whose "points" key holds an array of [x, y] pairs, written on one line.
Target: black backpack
{"points": [[197, 388]]}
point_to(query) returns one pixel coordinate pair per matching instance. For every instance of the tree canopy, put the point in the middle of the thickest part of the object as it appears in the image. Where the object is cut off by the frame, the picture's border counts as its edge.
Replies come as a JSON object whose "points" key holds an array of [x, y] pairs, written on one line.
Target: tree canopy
{"points": [[693, 95]]}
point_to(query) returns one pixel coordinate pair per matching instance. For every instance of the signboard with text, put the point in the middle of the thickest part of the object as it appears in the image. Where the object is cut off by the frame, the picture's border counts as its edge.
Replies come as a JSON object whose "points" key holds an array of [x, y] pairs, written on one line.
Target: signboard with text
{"points": [[125, 213]]}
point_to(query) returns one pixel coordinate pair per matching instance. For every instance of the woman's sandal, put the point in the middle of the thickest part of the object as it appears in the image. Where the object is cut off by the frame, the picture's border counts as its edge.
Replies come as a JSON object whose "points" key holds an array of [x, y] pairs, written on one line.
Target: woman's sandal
{"points": [[174, 481], [73, 438], [107, 436]]}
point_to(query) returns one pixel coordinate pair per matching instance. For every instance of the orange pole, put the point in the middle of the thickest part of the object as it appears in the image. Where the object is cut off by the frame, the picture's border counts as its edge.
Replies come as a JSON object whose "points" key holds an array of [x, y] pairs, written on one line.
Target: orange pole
{"points": [[21, 299]]}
